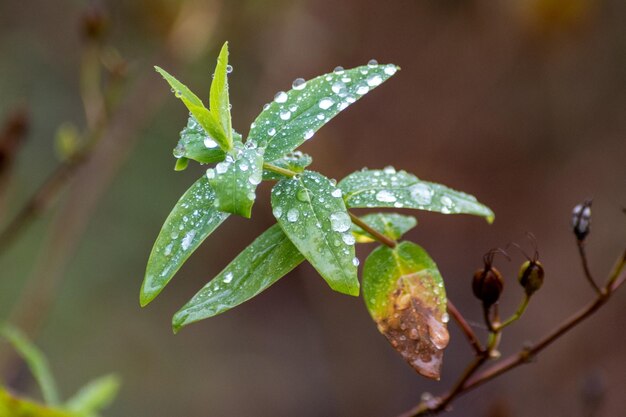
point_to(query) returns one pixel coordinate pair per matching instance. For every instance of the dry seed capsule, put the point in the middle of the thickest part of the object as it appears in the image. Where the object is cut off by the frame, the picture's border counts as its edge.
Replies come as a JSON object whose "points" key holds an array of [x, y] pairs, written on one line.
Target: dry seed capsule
{"points": [[581, 220], [531, 276], [487, 285]]}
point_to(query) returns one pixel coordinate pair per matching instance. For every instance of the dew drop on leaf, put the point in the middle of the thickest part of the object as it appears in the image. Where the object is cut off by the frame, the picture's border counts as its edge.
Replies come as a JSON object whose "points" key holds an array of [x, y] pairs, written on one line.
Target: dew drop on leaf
{"points": [[340, 221], [280, 97], [298, 84], [326, 103], [292, 215]]}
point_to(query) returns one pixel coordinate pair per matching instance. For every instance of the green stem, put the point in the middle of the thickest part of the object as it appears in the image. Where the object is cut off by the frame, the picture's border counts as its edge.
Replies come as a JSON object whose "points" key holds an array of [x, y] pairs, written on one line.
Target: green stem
{"points": [[516, 315], [278, 170]]}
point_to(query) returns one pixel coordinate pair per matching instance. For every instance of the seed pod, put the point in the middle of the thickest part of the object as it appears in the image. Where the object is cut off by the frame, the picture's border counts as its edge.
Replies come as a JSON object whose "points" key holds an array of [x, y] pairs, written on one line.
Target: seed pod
{"points": [[531, 276], [487, 285], [581, 220]]}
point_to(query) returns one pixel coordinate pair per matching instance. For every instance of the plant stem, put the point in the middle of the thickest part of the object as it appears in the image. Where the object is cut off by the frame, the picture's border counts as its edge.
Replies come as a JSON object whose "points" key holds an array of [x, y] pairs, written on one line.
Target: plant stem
{"points": [[583, 258], [279, 170], [465, 328], [516, 315], [375, 234]]}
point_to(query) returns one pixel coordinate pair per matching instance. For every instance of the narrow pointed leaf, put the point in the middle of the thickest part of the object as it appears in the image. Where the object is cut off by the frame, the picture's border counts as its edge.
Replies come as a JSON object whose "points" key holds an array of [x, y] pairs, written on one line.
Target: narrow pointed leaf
{"points": [[399, 189], [95, 396], [36, 361], [12, 406], [190, 222], [196, 144], [219, 100], [392, 225], [270, 257], [404, 293], [204, 117], [235, 180], [310, 210], [293, 117], [293, 161]]}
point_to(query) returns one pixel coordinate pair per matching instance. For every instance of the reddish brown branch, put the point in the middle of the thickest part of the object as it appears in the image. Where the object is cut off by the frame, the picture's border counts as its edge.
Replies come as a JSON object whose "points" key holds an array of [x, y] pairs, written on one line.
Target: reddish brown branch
{"points": [[465, 328]]}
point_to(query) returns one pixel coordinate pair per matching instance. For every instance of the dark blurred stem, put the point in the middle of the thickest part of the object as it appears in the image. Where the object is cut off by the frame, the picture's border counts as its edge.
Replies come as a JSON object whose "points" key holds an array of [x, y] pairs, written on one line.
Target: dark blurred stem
{"points": [[583, 257], [487, 318], [615, 280], [12, 135], [356, 220], [465, 328]]}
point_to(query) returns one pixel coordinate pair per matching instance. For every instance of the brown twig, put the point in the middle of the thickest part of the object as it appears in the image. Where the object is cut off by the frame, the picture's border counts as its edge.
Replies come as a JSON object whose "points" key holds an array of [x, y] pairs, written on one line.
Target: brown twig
{"points": [[468, 381], [465, 328], [583, 258], [378, 236]]}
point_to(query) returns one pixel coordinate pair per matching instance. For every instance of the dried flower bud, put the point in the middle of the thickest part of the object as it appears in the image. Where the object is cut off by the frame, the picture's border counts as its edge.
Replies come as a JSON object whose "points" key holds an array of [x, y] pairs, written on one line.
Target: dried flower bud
{"points": [[487, 285], [581, 220], [94, 22], [531, 276]]}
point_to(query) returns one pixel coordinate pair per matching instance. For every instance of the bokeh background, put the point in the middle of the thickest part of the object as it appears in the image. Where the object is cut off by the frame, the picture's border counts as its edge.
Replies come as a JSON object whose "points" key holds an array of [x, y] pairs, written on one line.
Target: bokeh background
{"points": [[520, 102]]}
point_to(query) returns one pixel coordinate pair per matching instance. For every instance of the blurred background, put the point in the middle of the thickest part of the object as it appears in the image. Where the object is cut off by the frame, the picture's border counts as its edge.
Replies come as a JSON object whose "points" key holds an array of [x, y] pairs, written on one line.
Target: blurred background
{"points": [[519, 102]]}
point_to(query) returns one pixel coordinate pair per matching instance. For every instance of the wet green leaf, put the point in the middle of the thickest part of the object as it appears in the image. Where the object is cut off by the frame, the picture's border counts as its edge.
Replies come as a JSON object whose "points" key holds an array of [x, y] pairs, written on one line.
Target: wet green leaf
{"points": [[294, 116], [265, 261], [404, 293], [219, 100], [197, 145], [36, 361], [310, 210], [293, 161], [392, 225], [205, 118], [95, 396], [12, 406], [399, 189], [193, 218], [235, 180]]}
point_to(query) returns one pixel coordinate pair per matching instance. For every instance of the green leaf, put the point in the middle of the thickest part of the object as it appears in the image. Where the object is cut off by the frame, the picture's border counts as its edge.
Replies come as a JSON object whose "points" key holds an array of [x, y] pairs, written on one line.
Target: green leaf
{"points": [[399, 189], [293, 117], [193, 218], [181, 164], [197, 145], [310, 210], [95, 396], [11, 406], [267, 259], [293, 161], [219, 101], [204, 117], [36, 361], [392, 225], [235, 180], [404, 293]]}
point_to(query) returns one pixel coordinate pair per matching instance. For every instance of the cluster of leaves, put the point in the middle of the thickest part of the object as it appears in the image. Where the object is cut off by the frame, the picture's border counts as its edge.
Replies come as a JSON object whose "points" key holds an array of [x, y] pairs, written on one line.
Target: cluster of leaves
{"points": [[402, 286], [87, 402]]}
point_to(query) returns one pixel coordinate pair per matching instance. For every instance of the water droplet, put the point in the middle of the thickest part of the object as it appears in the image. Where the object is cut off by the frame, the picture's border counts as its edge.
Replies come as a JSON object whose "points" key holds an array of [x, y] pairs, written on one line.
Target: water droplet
{"points": [[187, 239], [421, 193], [298, 84], [285, 114], [338, 70], [445, 317], [372, 63], [243, 166], [374, 80], [340, 221], [336, 193], [320, 116], [325, 103], [292, 215], [348, 239], [278, 211], [385, 196], [271, 131], [446, 201], [222, 167], [438, 333], [362, 89], [256, 178], [390, 69], [343, 105], [414, 334], [338, 88], [280, 97], [228, 277], [303, 195], [229, 69], [168, 249], [210, 173], [209, 142], [308, 134], [179, 151], [266, 106], [355, 261]]}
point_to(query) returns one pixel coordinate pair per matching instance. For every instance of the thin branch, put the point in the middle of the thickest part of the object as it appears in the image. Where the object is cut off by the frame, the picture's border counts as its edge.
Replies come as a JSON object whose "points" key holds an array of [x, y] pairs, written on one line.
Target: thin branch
{"points": [[614, 281], [583, 258], [377, 235], [465, 328]]}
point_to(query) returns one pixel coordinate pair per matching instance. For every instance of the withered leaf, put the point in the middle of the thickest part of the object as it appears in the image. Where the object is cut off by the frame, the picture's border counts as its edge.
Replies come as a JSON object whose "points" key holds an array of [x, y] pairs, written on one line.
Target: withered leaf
{"points": [[404, 293]]}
